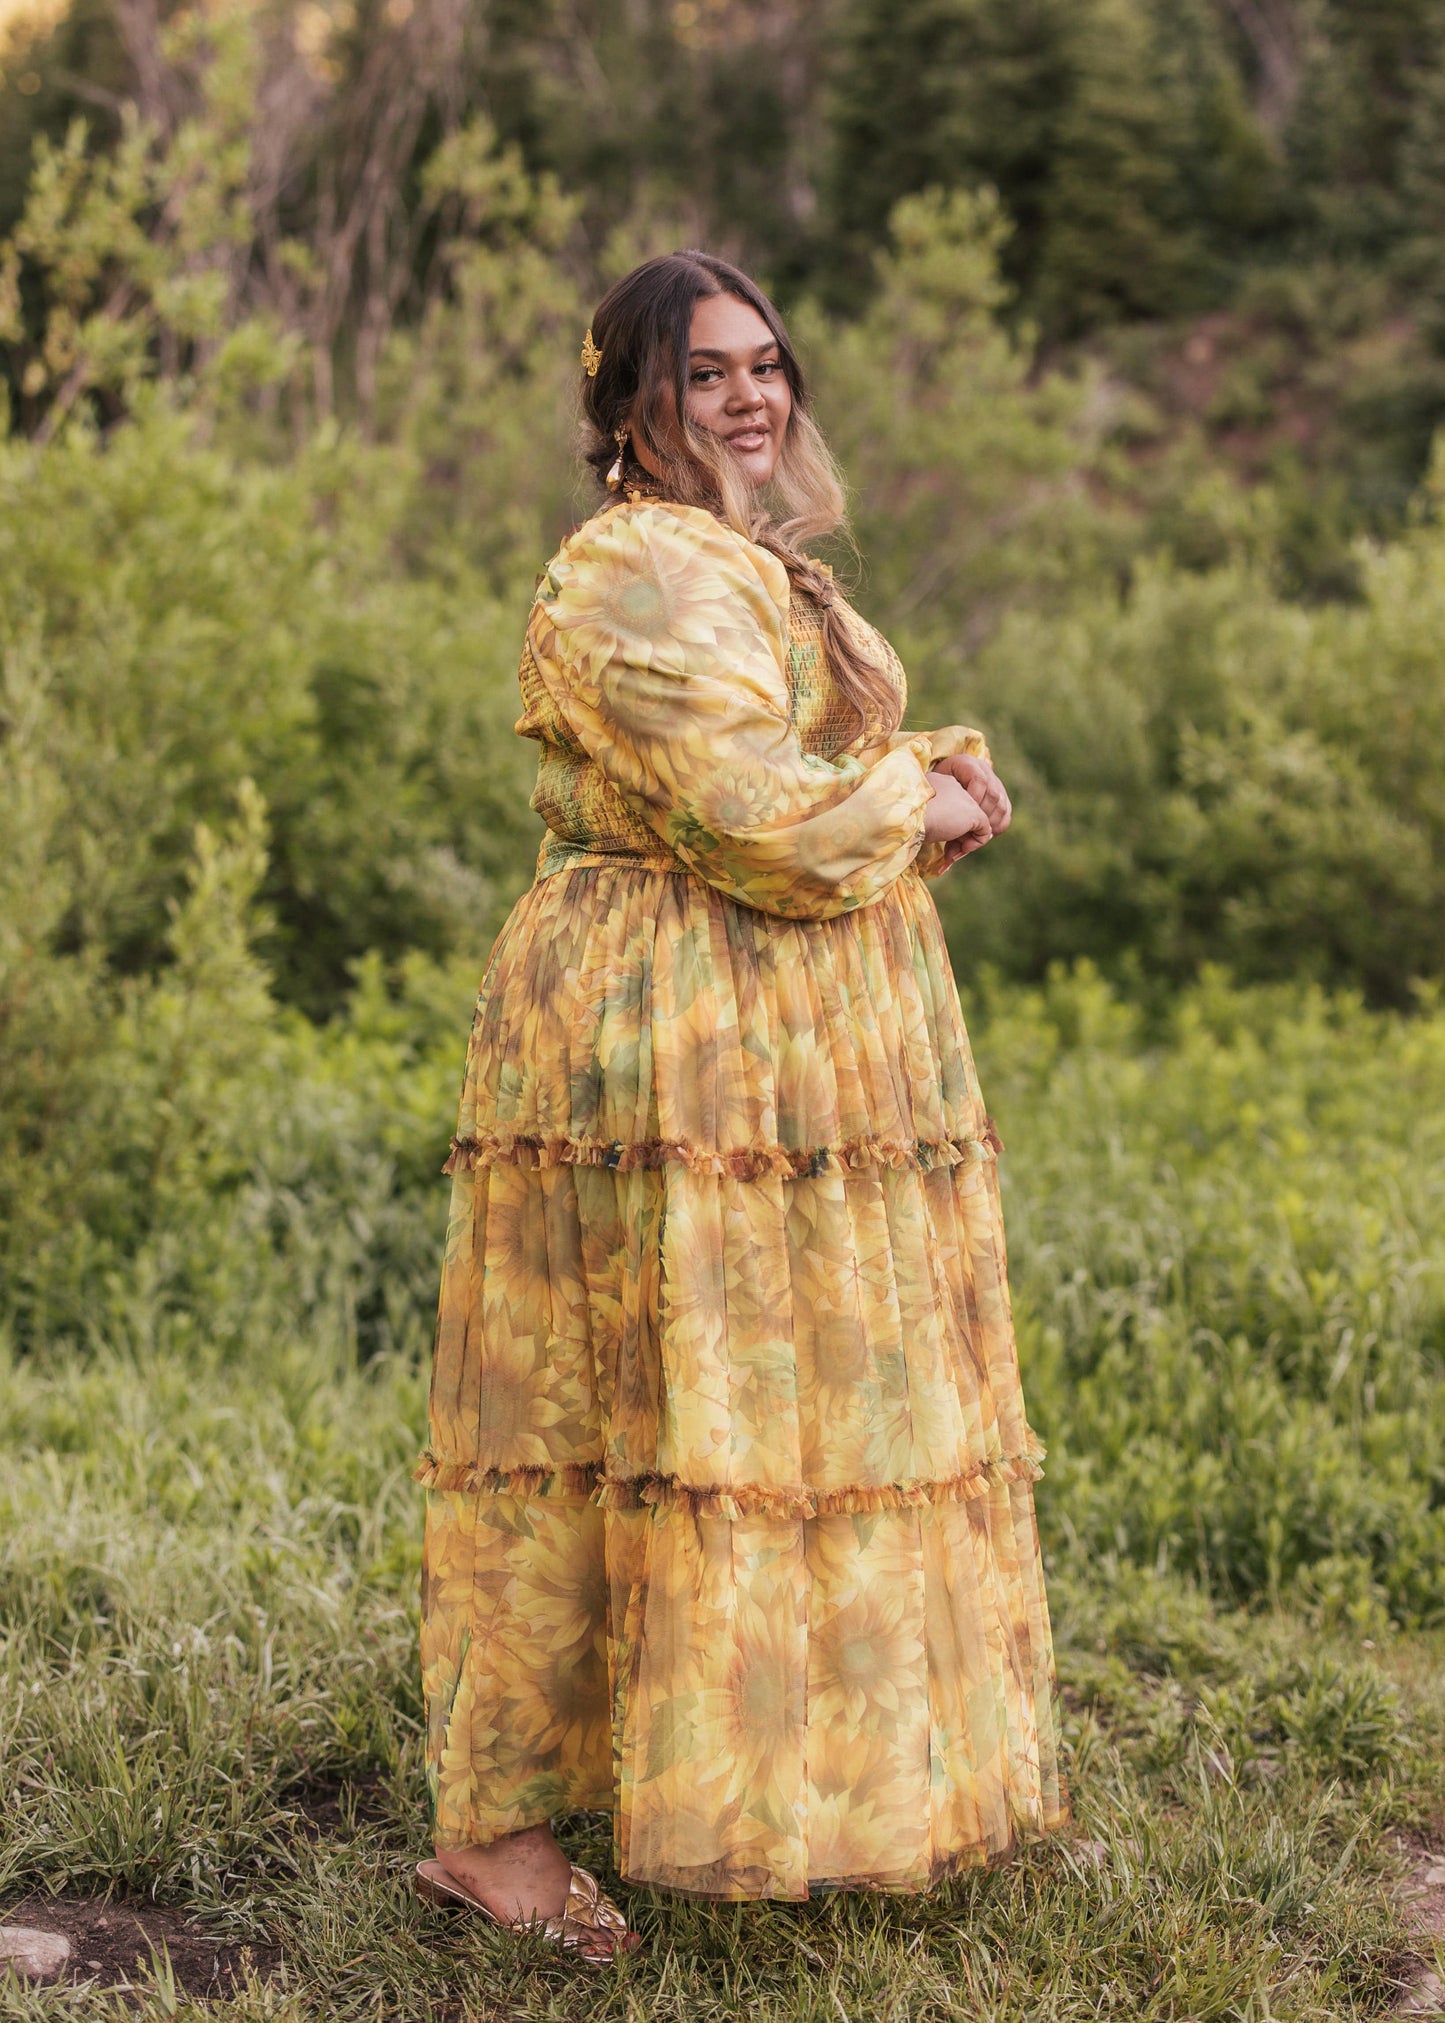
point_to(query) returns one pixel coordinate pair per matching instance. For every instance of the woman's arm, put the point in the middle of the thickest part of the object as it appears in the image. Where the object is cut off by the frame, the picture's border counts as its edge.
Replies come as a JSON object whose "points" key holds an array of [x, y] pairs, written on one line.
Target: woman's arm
{"points": [[662, 637]]}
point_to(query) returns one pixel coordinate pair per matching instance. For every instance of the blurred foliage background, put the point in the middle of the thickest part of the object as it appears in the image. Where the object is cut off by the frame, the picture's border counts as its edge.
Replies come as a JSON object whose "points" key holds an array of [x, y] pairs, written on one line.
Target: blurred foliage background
{"points": [[1127, 319]]}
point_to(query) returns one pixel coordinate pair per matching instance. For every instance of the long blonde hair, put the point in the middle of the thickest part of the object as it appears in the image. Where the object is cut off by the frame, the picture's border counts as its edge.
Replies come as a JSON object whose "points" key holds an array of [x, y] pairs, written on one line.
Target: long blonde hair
{"points": [[642, 329]]}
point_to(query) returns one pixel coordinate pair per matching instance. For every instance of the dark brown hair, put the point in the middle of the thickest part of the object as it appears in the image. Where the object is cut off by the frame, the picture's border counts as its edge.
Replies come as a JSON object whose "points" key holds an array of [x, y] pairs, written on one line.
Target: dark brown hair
{"points": [[642, 327]]}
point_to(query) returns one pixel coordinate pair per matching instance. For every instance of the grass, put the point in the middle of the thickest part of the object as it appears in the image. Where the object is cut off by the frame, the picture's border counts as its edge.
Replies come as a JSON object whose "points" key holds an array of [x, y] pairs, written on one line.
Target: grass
{"points": [[1224, 1236]]}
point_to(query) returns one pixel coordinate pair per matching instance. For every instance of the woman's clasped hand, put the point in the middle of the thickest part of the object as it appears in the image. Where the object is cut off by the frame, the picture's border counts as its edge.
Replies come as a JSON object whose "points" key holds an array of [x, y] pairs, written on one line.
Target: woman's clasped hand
{"points": [[969, 806]]}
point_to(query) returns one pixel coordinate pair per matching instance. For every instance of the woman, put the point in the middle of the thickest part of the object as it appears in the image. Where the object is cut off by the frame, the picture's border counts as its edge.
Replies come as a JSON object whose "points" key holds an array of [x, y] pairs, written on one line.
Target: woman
{"points": [[730, 1525]]}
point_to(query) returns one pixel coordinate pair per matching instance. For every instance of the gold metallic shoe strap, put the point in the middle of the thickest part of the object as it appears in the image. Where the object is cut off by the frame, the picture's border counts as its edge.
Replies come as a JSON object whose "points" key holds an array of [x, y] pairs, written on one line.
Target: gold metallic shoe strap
{"points": [[589, 1913]]}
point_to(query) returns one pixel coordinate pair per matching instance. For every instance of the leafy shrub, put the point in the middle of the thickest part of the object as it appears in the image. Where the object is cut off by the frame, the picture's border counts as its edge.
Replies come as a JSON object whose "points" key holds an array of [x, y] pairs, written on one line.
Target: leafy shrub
{"points": [[1205, 772], [1344, 1718], [197, 1166], [1188, 1690], [1229, 1289]]}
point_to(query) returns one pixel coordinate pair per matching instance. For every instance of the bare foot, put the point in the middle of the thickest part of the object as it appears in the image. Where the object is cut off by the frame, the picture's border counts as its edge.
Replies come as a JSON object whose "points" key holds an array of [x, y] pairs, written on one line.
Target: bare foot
{"points": [[524, 1875]]}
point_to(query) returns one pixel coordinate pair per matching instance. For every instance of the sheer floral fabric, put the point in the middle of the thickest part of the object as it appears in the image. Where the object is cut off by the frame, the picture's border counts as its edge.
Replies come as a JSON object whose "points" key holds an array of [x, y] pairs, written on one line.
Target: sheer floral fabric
{"points": [[730, 1515]]}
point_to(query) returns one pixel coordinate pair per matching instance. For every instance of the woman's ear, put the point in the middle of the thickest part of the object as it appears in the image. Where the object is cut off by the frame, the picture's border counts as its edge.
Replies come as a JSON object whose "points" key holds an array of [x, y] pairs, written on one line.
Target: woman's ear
{"points": [[641, 447]]}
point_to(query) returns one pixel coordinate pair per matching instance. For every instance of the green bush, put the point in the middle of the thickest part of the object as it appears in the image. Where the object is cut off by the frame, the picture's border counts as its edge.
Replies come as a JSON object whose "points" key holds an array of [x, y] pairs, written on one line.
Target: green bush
{"points": [[173, 620], [189, 1164], [1228, 1282], [1205, 772], [1346, 1719]]}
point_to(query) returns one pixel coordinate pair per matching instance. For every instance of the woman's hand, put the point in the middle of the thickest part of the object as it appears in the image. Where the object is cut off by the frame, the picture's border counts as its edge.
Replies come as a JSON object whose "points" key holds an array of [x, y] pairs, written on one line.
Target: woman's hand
{"points": [[978, 778], [954, 818]]}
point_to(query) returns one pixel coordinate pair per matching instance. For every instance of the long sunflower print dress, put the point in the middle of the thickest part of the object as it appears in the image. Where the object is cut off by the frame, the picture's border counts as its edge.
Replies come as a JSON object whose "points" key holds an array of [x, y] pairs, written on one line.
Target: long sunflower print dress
{"points": [[730, 1521]]}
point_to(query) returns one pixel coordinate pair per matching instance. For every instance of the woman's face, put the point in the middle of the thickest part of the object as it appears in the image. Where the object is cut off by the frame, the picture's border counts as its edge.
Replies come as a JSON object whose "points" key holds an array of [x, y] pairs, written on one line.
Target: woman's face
{"points": [[736, 386]]}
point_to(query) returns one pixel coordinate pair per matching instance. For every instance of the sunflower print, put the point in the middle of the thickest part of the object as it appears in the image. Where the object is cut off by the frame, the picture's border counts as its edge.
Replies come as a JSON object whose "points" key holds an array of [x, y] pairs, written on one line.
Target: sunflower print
{"points": [[730, 1521]]}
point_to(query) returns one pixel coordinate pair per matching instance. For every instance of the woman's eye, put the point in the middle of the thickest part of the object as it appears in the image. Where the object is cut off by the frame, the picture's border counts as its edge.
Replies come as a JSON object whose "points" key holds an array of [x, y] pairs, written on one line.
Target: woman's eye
{"points": [[708, 375]]}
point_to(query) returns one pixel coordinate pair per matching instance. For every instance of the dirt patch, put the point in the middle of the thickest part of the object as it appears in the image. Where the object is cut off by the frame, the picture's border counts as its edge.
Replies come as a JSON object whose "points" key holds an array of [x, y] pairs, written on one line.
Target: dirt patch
{"points": [[1423, 1903], [322, 1810], [113, 1944]]}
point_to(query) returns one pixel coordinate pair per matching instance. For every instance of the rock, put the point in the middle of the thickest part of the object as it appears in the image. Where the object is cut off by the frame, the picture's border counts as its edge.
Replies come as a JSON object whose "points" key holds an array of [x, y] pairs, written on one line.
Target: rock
{"points": [[39, 1956]]}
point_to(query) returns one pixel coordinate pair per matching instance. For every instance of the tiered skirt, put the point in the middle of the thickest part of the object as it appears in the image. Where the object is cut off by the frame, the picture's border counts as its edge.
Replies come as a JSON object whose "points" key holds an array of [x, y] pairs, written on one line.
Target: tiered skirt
{"points": [[730, 1518]]}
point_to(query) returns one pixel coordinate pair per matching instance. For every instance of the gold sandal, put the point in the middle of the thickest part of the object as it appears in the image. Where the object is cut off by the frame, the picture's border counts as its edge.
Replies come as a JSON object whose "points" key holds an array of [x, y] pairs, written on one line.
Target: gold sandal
{"points": [[589, 1923]]}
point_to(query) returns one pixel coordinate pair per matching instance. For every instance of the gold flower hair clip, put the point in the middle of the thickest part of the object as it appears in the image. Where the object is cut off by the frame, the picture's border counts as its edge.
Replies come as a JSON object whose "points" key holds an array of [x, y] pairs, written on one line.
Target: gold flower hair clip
{"points": [[591, 356]]}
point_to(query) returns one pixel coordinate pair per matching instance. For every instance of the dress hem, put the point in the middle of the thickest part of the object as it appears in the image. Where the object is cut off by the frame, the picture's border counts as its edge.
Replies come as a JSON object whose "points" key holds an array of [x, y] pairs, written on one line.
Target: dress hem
{"points": [[731, 1501], [974, 1858], [744, 1162], [977, 1855]]}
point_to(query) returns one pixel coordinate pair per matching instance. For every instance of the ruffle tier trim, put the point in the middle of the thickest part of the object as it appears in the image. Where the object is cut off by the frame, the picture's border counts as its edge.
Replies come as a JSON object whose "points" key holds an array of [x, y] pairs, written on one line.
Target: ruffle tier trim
{"points": [[665, 1492], [750, 1162]]}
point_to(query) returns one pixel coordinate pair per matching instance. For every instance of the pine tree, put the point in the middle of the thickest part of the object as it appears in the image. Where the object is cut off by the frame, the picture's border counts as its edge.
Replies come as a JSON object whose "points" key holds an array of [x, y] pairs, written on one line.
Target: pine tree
{"points": [[1421, 258], [1359, 117], [1117, 133], [1111, 249], [952, 93]]}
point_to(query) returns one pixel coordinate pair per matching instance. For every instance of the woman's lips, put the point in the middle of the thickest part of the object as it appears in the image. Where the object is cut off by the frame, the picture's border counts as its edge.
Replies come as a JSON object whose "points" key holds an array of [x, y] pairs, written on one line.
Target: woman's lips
{"points": [[749, 438]]}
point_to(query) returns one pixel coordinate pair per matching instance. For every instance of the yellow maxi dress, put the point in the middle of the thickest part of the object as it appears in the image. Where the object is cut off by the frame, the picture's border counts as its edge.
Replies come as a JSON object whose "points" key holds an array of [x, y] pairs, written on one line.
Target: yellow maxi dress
{"points": [[730, 1519]]}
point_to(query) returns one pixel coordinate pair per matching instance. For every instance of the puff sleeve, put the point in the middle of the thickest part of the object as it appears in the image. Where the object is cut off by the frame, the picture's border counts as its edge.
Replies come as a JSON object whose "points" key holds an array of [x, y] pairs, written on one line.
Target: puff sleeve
{"points": [[662, 637]]}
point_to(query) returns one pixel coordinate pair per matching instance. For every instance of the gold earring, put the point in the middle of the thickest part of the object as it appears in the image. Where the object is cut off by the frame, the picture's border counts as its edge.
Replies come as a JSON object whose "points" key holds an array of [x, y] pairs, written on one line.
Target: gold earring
{"points": [[621, 438]]}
